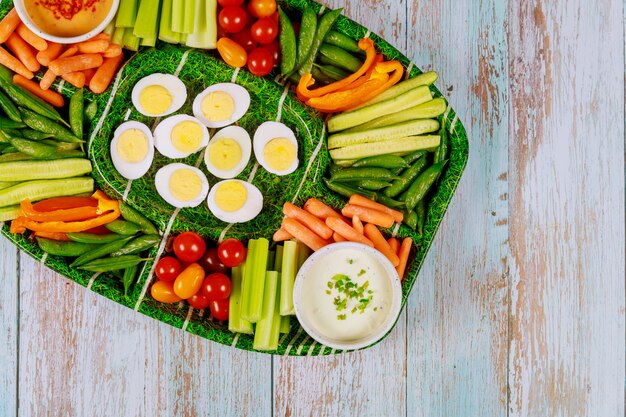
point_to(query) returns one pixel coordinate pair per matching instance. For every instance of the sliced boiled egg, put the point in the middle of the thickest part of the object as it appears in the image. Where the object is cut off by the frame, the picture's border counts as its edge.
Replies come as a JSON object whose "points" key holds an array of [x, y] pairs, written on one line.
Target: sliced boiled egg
{"points": [[228, 152], [132, 149], [180, 135], [159, 95], [235, 201], [181, 185], [221, 104], [276, 148]]}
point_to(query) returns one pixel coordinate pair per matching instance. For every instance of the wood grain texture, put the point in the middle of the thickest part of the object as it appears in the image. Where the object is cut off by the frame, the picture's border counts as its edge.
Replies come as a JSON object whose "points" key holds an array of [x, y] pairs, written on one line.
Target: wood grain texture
{"points": [[9, 332]]}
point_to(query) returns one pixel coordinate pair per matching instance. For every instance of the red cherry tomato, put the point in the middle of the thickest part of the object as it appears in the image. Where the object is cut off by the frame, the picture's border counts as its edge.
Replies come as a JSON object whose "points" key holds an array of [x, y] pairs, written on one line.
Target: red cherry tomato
{"points": [[198, 301], [168, 268], [244, 39], [216, 287], [189, 246], [260, 61], [232, 19], [163, 291], [211, 262], [262, 8], [226, 3], [232, 53], [189, 281], [275, 17], [264, 30], [231, 252], [219, 309], [274, 48]]}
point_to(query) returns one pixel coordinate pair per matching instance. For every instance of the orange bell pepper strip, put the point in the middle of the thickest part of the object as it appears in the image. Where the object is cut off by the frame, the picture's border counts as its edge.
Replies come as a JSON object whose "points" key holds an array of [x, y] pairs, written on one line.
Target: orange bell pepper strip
{"points": [[388, 66], [61, 236], [62, 203], [366, 76], [332, 102], [63, 215], [306, 80]]}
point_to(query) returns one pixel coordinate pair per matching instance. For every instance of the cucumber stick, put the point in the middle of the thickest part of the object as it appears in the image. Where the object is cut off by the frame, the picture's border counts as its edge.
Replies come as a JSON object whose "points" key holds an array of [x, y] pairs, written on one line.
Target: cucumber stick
{"points": [[394, 104], [426, 78], [395, 146], [35, 170], [431, 109], [383, 134], [42, 189]]}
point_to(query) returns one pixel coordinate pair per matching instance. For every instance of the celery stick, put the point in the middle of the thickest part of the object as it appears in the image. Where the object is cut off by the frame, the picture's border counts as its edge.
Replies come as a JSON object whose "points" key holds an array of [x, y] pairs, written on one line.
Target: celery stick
{"points": [[126, 14], [147, 22], [178, 15], [189, 18], [110, 28], [118, 36], [148, 42], [278, 261], [254, 281], [130, 40], [268, 327], [289, 268], [303, 254], [235, 323], [166, 34], [270, 260], [285, 324], [204, 35]]}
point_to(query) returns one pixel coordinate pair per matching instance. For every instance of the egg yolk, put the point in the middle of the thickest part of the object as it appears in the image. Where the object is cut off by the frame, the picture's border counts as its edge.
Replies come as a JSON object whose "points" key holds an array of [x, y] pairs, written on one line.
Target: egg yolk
{"points": [[185, 185], [155, 99], [218, 106], [279, 153], [225, 153], [132, 145], [231, 196], [186, 136]]}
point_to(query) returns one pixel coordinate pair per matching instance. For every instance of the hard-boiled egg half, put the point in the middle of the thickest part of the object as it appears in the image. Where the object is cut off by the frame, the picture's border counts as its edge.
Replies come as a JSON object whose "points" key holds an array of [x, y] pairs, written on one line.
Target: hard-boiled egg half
{"points": [[159, 95], [235, 201], [228, 152], [276, 148], [181, 185], [180, 135], [221, 104], [132, 149]]}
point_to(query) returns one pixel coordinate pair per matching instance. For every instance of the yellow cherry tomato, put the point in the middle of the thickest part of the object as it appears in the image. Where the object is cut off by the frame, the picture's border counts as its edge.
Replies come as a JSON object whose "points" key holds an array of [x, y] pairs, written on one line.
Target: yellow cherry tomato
{"points": [[163, 291], [189, 281], [232, 53]]}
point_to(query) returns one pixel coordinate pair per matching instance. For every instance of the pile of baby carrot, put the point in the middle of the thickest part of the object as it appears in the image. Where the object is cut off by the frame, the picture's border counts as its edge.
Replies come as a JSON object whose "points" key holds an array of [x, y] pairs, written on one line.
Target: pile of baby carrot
{"points": [[90, 63], [317, 225]]}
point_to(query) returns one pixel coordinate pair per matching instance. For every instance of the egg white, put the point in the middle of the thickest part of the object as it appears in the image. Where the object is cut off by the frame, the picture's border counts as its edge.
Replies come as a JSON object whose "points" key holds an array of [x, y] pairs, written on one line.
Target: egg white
{"points": [[240, 96], [170, 82], [251, 208], [163, 136], [132, 170], [162, 181], [265, 133], [240, 136]]}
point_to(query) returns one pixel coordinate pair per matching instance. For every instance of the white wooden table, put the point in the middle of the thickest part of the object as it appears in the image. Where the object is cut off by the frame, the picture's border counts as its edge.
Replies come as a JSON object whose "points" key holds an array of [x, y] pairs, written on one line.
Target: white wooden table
{"points": [[518, 311]]}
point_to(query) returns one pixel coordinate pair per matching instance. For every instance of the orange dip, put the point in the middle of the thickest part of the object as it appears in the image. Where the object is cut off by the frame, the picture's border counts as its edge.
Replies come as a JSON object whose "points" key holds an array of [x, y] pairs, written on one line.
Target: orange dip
{"points": [[67, 18]]}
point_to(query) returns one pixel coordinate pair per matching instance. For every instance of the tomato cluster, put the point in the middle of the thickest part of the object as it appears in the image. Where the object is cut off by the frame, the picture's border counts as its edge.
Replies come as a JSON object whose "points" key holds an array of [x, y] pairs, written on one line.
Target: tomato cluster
{"points": [[247, 35], [197, 273]]}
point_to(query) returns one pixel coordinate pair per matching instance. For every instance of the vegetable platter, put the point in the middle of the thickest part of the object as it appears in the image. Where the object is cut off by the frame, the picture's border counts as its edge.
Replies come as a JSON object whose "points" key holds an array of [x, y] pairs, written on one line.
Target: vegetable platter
{"points": [[343, 171]]}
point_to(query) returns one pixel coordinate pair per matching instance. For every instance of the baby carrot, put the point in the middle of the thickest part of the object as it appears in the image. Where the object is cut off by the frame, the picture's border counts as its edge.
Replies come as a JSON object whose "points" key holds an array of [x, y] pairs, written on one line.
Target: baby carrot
{"points": [[366, 202], [357, 224], [394, 244], [112, 51], [74, 63], [14, 64], [304, 234], [312, 222], [77, 79], [23, 51], [281, 235], [49, 54], [29, 36], [49, 96], [404, 256], [89, 73], [319, 209], [8, 25], [93, 46], [368, 215], [347, 232], [338, 238], [103, 76], [380, 243], [49, 77]]}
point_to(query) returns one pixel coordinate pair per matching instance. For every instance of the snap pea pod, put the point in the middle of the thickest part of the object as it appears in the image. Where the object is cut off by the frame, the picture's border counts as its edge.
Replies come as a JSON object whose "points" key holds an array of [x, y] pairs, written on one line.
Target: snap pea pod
{"points": [[133, 216], [137, 245], [343, 41], [325, 23], [10, 124], [33, 148], [364, 173], [406, 178], [321, 77], [422, 184], [43, 124], [410, 219], [100, 252], [128, 279], [61, 146], [112, 264], [60, 248], [348, 190], [30, 134], [9, 108], [76, 113], [85, 237], [383, 161], [340, 57], [15, 156], [373, 185], [90, 111], [331, 71], [122, 227], [420, 211], [442, 151], [333, 168], [9, 149], [288, 48], [308, 25], [388, 201]]}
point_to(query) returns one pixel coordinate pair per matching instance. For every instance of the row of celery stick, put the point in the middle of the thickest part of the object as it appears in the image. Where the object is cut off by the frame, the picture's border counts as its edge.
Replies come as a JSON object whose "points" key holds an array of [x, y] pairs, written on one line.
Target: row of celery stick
{"points": [[261, 300], [142, 22]]}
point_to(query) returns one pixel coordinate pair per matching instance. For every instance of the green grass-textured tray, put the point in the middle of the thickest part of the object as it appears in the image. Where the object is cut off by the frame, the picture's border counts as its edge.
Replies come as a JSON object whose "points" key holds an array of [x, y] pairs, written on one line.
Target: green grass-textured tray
{"points": [[198, 69]]}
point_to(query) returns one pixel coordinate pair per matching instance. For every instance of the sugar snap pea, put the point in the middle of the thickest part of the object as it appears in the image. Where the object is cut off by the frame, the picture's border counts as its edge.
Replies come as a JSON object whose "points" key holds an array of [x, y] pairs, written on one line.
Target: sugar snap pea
{"points": [[137, 245], [325, 24], [364, 173], [388, 201], [76, 113], [10, 124], [343, 41], [410, 219], [406, 178], [331, 71], [9, 108], [111, 264], [90, 111], [31, 134], [287, 43], [420, 211], [422, 184], [43, 124], [321, 77], [122, 227], [85, 237], [383, 161], [410, 158], [15, 156], [60, 248], [9, 149], [100, 252], [308, 25], [340, 57], [442, 151], [373, 185], [33, 148], [348, 190], [128, 279], [134, 216]]}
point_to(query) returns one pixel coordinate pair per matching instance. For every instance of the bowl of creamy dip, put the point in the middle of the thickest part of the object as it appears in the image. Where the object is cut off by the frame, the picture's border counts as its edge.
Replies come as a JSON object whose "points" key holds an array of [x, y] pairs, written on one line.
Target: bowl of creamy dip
{"points": [[347, 295]]}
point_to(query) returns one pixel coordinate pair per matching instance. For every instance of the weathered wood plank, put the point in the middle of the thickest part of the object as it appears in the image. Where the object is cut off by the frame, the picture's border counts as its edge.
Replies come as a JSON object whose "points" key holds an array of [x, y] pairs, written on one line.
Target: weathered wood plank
{"points": [[457, 314], [9, 321], [567, 208]]}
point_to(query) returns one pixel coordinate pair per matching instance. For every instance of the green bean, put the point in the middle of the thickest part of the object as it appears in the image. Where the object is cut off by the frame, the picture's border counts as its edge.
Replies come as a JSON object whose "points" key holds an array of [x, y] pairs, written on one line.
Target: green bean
{"points": [[60, 248], [287, 44], [112, 264], [76, 113], [422, 184], [442, 151], [122, 227], [348, 190], [101, 251], [308, 26], [134, 216], [420, 211], [340, 57], [128, 279], [85, 237], [343, 41], [383, 161], [9, 108], [10, 124], [138, 244], [43, 124], [364, 173], [406, 178], [325, 23], [373, 185]]}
